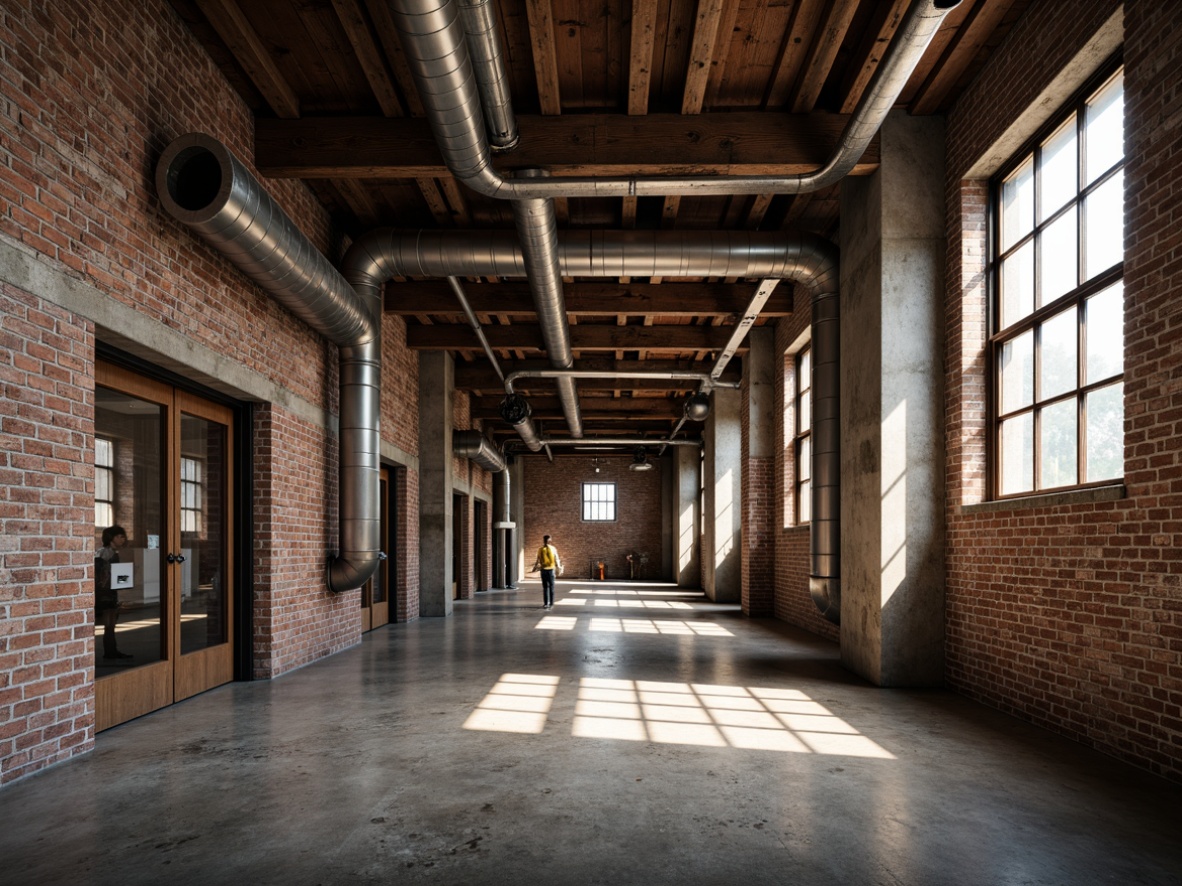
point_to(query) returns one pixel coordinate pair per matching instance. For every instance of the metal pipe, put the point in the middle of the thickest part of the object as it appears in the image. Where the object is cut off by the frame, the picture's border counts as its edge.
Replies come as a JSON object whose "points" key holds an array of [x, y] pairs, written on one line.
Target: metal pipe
{"points": [[593, 442], [479, 18], [537, 227], [702, 378], [201, 184], [474, 446], [440, 61], [474, 322]]}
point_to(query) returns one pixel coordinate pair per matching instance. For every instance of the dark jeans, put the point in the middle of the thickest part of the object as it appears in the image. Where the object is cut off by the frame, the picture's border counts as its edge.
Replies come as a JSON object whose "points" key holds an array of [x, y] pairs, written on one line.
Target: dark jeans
{"points": [[547, 587]]}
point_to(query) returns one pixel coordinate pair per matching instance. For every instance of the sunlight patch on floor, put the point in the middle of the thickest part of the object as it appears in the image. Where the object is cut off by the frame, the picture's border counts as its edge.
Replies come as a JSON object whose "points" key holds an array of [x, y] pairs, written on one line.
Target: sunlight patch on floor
{"points": [[699, 714]]}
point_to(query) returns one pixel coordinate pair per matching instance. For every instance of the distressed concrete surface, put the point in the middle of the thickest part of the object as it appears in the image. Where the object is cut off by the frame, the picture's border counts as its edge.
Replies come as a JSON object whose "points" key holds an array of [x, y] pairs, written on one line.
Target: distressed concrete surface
{"points": [[674, 741]]}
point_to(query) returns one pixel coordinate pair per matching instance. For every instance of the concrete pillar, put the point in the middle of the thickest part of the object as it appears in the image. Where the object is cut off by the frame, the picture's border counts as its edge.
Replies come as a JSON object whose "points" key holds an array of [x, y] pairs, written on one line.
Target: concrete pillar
{"points": [[759, 474], [436, 392], [722, 521], [892, 403], [687, 523], [518, 543]]}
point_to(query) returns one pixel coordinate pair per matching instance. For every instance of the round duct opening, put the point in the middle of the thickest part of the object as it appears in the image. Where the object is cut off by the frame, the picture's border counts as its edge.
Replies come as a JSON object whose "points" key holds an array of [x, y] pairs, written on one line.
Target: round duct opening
{"points": [[515, 409], [194, 178], [697, 407]]}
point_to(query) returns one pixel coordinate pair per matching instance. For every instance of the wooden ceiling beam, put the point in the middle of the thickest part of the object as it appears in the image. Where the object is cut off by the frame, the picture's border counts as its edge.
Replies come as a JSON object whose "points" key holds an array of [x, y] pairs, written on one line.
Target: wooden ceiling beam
{"points": [[357, 29], [870, 53], [593, 408], [240, 38], [739, 143], [969, 40], [586, 299], [839, 16], [528, 337]]}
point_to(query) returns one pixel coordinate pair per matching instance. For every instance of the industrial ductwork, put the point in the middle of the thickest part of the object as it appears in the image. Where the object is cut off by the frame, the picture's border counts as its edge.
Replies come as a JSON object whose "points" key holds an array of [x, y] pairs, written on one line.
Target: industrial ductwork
{"points": [[204, 186], [475, 446], [440, 60]]}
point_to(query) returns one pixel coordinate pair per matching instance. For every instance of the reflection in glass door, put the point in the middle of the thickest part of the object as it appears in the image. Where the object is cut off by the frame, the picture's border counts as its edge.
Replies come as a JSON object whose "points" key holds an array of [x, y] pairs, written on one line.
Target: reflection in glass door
{"points": [[162, 537]]}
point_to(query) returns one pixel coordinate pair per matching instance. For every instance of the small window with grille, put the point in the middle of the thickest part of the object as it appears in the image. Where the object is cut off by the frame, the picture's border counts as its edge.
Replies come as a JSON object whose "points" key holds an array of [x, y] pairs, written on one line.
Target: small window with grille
{"points": [[599, 502]]}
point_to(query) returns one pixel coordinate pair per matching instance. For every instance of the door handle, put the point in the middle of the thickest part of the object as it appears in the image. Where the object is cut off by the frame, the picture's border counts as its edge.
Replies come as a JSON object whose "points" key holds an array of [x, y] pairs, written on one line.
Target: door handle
{"points": [[175, 558]]}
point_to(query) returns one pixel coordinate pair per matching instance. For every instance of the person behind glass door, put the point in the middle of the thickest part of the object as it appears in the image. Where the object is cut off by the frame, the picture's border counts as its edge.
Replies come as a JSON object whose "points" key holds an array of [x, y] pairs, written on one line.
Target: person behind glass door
{"points": [[547, 561], [106, 598]]}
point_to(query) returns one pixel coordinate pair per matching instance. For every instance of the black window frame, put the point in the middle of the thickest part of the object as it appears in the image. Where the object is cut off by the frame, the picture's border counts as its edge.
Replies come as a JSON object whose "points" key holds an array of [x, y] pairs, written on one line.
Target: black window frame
{"points": [[1078, 296], [802, 467]]}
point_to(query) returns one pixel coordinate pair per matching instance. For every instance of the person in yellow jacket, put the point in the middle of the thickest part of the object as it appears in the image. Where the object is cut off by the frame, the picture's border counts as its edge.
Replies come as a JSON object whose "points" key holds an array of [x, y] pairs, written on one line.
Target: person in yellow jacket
{"points": [[550, 565]]}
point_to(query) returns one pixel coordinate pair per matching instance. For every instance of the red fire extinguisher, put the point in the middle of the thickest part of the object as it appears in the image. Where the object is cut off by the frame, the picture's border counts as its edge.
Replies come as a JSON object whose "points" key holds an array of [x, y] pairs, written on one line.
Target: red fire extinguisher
{"points": [[601, 570]]}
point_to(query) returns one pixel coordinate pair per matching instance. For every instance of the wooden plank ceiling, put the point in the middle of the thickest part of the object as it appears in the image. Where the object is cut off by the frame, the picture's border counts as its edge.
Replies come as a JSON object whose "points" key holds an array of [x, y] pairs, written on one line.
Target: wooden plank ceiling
{"points": [[610, 87]]}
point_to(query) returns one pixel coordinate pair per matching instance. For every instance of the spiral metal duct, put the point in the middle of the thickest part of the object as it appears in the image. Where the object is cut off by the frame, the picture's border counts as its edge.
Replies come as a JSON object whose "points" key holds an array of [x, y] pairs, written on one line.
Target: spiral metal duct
{"points": [[475, 446], [440, 60], [204, 186]]}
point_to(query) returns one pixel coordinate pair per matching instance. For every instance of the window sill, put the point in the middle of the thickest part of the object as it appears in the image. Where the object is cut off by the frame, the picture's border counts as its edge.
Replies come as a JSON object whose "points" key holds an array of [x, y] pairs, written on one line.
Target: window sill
{"points": [[1049, 500]]}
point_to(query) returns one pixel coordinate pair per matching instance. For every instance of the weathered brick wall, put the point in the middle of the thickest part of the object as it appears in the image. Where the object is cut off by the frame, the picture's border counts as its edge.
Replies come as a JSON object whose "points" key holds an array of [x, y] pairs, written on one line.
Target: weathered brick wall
{"points": [[552, 502], [792, 602], [90, 94], [757, 597], [1070, 616], [46, 534]]}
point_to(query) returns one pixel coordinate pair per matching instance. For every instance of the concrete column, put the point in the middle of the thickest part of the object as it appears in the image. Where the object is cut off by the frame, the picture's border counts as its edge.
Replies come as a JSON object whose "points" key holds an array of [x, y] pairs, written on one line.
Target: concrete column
{"points": [[687, 523], [892, 403], [759, 475], [518, 543], [722, 521], [436, 392]]}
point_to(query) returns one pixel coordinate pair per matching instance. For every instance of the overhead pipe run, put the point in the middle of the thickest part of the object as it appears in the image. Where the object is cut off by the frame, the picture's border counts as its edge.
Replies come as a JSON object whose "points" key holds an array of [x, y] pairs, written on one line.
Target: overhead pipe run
{"points": [[201, 184], [440, 61]]}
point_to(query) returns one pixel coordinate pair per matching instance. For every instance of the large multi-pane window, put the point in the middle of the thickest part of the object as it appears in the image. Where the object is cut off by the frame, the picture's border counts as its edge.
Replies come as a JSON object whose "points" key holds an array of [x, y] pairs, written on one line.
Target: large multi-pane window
{"points": [[803, 441], [599, 501], [1058, 301], [104, 483]]}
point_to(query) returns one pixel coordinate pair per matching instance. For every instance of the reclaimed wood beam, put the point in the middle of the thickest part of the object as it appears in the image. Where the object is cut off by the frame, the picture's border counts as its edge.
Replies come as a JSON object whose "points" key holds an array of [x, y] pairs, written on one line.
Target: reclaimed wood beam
{"points": [[739, 143], [528, 337], [586, 299]]}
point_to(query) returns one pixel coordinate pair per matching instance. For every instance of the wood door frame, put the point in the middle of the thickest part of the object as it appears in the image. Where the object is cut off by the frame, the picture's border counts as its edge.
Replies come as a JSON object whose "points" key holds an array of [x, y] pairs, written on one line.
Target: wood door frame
{"points": [[137, 691]]}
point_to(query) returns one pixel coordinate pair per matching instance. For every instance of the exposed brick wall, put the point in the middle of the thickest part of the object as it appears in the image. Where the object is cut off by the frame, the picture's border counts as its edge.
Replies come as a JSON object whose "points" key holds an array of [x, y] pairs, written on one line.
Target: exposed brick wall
{"points": [[406, 545], [46, 535], [760, 501], [552, 502], [792, 602], [90, 94], [1070, 616]]}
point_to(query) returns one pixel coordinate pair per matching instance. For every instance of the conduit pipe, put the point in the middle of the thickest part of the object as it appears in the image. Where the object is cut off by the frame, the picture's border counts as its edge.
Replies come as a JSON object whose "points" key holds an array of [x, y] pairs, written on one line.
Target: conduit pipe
{"points": [[537, 226], [479, 18], [201, 184], [702, 378], [440, 62]]}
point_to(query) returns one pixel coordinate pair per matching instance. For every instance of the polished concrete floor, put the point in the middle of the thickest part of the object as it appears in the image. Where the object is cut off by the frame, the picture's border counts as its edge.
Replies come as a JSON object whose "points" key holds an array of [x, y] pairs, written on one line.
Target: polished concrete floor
{"points": [[635, 734]]}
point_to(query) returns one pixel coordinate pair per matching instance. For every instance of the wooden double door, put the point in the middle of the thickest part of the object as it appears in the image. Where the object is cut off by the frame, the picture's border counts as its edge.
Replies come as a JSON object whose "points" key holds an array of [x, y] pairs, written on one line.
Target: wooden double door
{"points": [[164, 474]]}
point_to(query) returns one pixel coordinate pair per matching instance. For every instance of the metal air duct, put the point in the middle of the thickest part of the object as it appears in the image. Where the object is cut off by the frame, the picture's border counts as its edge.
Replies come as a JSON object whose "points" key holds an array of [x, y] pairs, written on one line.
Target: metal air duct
{"points": [[475, 446], [201, 184], [440, 61]]}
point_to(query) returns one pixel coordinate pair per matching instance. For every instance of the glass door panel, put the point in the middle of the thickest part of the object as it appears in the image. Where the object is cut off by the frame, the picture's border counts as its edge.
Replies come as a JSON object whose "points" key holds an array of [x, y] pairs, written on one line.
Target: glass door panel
{"points": [[129, 526], [203, 518], [200, 553]]}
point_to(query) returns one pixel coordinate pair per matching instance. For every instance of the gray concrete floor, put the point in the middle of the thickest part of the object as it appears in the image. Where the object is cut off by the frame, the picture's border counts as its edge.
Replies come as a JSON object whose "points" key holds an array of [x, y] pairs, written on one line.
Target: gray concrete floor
{"points": [[629, 736]]}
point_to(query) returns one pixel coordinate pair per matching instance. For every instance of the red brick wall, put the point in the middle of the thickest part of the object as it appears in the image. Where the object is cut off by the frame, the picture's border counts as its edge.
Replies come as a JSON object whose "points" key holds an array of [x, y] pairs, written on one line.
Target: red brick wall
{"points": [[552, 504], [46, 534], [1070, 615], [792, 602], [91, 95], [760, 503]]}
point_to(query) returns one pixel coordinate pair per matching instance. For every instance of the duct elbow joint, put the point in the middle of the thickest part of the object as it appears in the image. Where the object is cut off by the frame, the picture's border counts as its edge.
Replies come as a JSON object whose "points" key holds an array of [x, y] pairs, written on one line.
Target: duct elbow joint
{"points": [[350, 573], [826, 594]]}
